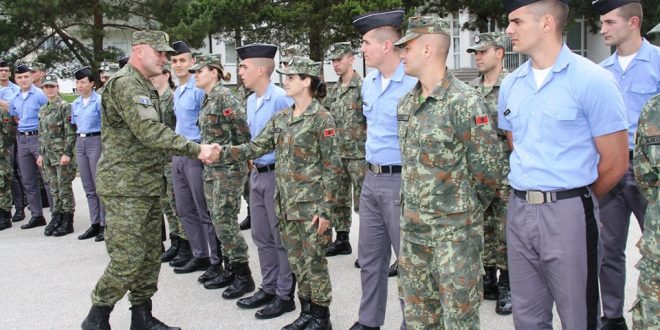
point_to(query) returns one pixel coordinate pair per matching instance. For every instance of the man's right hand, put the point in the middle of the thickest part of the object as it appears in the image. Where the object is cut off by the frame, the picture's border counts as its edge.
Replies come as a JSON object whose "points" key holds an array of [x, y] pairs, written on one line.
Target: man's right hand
{"points": [[209, 153]]}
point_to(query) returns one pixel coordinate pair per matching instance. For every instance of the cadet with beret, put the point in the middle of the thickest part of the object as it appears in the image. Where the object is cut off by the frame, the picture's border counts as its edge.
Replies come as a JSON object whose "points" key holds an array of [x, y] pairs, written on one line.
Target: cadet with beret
{"points": [[86, 116], [57, 139], [8, 90], [566, 123], [308, 165], [345, 104], [130, 182], [636, 67], [223, 121], [380, 199], [489, 52]]}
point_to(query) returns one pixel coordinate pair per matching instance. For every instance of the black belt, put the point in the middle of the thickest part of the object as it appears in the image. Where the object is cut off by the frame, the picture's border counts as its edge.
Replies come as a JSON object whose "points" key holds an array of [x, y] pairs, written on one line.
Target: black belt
{"points": [[542, 197], [267, 168], [89, 134], [389, 169], [29, 133]]}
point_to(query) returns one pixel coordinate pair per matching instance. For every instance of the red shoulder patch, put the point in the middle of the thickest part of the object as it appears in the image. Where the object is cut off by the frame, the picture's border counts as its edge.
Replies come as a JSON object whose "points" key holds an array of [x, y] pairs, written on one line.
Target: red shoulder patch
{"points": [[5, 120], [228, 112], [328, 132], [481, 120]]}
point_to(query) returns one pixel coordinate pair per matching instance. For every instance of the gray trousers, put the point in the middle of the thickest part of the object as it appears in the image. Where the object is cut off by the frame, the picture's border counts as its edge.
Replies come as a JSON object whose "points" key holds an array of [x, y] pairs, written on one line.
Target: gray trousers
{"points": [[28, 152], [17, 193], [276, 274], [88, 152], [380, 212], [553, 252], [191, 207], [615, 209]]}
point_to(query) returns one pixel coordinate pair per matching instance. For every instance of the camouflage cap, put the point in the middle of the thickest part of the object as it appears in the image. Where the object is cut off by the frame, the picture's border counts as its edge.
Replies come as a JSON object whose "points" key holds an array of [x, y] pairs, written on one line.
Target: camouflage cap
{"points": [[158, 40], [302, 65], [289, 52], [167, 66], [418, 25], [337, 50], [207, 60], [34, 66], [49, 80], [484, 41]]}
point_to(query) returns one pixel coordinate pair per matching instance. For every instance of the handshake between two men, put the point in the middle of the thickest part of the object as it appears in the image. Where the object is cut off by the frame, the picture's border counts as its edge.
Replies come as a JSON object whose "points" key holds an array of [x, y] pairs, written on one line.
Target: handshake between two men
{"points": [[209, 153]]}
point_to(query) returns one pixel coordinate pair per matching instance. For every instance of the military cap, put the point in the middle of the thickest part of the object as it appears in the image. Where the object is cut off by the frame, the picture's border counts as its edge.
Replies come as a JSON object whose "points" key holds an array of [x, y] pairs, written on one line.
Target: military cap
{"points": [[207, 60], [369, 21], [289, 52], [181, 47], [167, 67], [22, 68], [418, 25], [302, 65], [158, 40], [605, 6], [34, 66], [111, 68], [484, 41], [511, 5], [83, 72], [256, 51], [122, 60], [4, 64], [338, 50], [49, 80]]}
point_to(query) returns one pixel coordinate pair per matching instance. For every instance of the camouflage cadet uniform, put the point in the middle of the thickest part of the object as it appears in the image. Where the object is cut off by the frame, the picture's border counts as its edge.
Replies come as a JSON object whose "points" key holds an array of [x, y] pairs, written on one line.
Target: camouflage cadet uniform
{"points": [[130, 181], [7, 137], [169, 205], [345, 105], [451, 166], [308, 166], [243, 94], [646, 162]]}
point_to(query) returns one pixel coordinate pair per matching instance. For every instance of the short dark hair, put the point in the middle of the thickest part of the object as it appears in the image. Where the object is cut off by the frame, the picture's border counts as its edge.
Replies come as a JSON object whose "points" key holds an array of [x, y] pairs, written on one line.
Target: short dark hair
{"points": [[558, 9], [631, 10]]}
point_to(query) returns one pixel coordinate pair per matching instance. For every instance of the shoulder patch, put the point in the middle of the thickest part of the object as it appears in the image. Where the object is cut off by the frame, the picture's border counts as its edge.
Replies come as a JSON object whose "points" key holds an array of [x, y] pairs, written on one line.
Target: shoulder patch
{"points": [[5, 120], [481, 120], [403, 117], [228, 112], [328, 132], [652, 139], [141, 99]]}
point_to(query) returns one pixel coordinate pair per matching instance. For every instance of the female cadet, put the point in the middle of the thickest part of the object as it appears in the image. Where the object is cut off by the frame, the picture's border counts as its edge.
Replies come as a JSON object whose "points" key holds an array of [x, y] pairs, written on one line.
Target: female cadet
{"points": [[222, 120], [57, 140], [307, 173]]}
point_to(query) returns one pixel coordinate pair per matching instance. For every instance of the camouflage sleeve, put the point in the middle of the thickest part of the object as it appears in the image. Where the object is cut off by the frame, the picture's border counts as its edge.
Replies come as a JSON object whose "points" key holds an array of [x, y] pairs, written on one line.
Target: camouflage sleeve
{"points": [[332, 167], [241, 131], [8, 129], [42, 130], [474, 128], [69, 131], [261, 145], [646, 158]]}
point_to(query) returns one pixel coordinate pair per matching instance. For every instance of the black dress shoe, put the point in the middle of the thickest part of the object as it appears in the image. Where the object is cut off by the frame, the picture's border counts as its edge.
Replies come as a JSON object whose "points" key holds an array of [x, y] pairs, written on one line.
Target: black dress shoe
{"points": [[275, 308], [194, 265], [257, 300], [212, 272], [613, 324], [246, 223], [357, 263], [242, 283], [101, 236], [394, 269], [92, 231], [360, 326], [19, 215], [34, 222]]}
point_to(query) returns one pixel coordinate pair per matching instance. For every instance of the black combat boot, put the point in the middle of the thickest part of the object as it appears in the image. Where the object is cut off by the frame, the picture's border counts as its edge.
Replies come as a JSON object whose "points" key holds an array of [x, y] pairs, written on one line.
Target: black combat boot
{"points": [[19, 215], [184, 255], [305, 314], [503, 306], [320, 318], [5, 219], [211, 272], [394, 269], [101, 235], [247, 222], [490, 283], [141, 318], [34, 222], [66, 226], [168, 255], [98, 318], [340, 246], [242, 283], [223, 278], [55, 221], [90, 232]]}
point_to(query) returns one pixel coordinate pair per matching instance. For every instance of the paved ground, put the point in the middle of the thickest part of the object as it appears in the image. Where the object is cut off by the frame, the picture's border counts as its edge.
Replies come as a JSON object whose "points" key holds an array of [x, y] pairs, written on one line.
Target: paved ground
{"points": [[47, 281]]}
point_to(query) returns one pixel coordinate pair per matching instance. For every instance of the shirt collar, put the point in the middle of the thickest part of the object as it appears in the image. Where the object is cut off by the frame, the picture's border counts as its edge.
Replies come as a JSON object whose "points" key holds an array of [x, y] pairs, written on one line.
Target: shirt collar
{"points": [[562, 61], [643, 53]]}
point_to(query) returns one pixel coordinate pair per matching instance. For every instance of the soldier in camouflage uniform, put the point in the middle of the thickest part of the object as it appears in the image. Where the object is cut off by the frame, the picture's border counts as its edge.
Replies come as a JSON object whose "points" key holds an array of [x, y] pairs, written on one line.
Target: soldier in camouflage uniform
{"points": [[130, 183], [222, 120], [344, 101], [451, 166], [7, 139], [57, 141], [308, 166], [243, 93], [489, 51]]}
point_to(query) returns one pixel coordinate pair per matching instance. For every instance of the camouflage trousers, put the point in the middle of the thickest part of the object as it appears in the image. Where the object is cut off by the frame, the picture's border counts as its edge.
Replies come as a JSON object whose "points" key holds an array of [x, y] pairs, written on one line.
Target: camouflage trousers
{"points": [[59, 180], [305, 250], [494, 254], [441, 285], [352, 175], [646, 310], [133, 242], [169, 206], [5, 179], [223, 199]]}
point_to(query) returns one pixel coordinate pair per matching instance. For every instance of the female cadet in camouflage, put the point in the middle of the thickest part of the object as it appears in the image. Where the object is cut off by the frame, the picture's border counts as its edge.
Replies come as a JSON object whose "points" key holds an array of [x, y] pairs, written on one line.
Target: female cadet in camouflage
{"points": [[222, 120], [646, 162], [307, 172], [7, 137], [57, 140]]}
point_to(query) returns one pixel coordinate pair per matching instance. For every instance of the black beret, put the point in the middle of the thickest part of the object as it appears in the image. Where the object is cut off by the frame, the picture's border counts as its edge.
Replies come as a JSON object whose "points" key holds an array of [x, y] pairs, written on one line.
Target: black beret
{"points": [[122, 60], [605, 6], [369, 21], [22, 68], [257, 51], [4, 64], [511, 5], [83, 72], [181, 47]]}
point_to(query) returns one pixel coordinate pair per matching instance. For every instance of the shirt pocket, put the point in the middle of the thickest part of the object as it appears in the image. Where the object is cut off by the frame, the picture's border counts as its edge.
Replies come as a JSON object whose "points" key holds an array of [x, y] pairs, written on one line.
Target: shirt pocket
{"points": [[304, 146], [645, 88], [559, 123]]}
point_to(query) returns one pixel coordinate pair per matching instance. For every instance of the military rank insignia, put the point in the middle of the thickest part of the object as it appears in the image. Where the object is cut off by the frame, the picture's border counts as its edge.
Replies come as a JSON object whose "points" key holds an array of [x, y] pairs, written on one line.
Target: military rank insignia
{"points": [[228, 112], [481, 120], [403, 117], [328, 132]]}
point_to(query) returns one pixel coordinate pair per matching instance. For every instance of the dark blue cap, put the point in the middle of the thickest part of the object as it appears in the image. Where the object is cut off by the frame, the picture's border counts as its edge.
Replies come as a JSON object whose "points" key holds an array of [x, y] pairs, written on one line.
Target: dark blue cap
{"points": [[605, 6], [369, 21], [511, 5], [22, 68], [83, 72], [181, 47], [122, 60], [4, 64], [256, 51]]}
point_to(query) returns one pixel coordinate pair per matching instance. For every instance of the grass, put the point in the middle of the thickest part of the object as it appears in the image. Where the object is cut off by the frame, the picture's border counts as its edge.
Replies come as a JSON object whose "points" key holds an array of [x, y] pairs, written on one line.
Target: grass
{"points": [[69, 97]]}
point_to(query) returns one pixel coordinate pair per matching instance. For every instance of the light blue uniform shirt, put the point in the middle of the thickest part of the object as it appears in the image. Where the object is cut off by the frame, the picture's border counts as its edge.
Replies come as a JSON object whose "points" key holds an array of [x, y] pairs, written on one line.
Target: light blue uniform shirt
{"points": [[379, 107], [87, 118], [554, 127], [188, 101], [638, 83], [273, 101], [27, 110], [9, 92]]}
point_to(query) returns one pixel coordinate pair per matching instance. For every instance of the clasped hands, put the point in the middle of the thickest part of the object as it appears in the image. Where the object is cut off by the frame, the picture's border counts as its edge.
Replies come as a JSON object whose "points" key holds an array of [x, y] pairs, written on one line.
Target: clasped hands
{"points": [[209, 153]]}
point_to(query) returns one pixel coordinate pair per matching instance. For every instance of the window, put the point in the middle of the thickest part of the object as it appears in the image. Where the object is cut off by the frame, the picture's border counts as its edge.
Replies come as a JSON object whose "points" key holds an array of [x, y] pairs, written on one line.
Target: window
{"points": [[230, 52], [576, 37], [456, 41]]}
